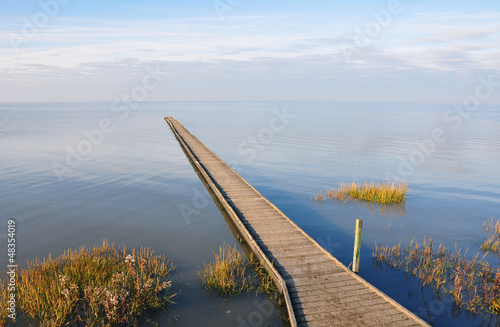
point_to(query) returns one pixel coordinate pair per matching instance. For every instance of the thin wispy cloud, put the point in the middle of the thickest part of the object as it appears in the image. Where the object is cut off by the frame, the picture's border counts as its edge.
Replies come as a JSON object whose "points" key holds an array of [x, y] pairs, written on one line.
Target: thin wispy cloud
{"points": [[443, 16], [252, 56]]}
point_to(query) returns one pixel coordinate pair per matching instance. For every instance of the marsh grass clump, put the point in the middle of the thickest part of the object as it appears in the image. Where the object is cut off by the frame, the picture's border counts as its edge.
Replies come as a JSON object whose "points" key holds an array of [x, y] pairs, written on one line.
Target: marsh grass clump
{"points": [[384, 193], [103, 286], [232, 274], [229, 275], [472, 282], [492, 243], [266, 282]]}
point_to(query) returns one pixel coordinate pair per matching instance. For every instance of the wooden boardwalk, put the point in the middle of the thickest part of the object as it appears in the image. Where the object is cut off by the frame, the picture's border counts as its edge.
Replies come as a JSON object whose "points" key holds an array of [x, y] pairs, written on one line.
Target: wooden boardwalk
{"points": [[317, 288]]}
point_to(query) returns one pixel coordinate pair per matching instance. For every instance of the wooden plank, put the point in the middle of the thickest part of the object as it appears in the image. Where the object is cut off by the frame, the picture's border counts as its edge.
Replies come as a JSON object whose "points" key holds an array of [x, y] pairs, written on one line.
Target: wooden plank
{"points": [[272, 223], [381, 318], [291, 248], [266, 212], [283, 253], [361, 305], [310, 303], [303, 271], [283, 242], [347, 286], [301, 260], [274, 231], [287, 238], [326, 278]]}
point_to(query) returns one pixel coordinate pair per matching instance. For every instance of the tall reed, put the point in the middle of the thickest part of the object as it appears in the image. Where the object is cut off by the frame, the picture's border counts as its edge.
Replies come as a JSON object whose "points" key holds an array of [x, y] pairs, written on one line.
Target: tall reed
{"points": [[472, 283]]}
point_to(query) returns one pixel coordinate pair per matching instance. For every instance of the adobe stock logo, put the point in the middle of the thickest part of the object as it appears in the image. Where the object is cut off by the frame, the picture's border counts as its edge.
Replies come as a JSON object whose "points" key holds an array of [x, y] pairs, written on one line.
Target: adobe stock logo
{"points": [[223, 7], [453, 119], [265, 136], [31, 27], [92, 139], [364, 36], [257, 318]]}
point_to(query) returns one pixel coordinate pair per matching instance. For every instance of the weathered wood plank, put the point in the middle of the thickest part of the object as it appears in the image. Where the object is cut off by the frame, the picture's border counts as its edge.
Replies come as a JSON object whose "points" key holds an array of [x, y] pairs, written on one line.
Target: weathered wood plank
{"points": [[326, 278], [310, 303], [304, 271], [362, 305], [381, 318], [337, 287], [300, 260], [283, 242]]}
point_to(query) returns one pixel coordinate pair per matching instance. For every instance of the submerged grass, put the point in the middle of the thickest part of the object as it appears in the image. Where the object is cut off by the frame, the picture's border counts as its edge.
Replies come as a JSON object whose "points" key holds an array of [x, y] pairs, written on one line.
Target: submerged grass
{"points": [[492, 243], [103, 286], [472, 282], [231, 274], [384, 193]]}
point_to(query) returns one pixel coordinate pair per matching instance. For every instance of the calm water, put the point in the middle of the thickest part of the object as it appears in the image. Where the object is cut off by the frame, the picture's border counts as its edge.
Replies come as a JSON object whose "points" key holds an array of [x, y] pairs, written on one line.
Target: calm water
{"points": [[134, 186]]}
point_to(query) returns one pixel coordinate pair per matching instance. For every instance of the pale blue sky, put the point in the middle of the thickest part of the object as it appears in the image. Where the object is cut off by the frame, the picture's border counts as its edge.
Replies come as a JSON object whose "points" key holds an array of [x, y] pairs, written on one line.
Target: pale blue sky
{"points": [[420, 51]]}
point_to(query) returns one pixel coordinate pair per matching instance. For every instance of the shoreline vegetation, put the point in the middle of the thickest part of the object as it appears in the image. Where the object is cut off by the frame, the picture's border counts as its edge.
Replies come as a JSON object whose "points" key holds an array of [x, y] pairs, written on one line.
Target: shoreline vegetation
{"points": [[381, 193], [113, 286], [472, 283], [103, 286], [232, 274]]}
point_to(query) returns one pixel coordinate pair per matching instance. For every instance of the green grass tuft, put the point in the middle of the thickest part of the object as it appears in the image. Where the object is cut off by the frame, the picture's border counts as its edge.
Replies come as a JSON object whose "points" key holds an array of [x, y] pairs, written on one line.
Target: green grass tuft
{"points": [[103, 286], [231, 274], [384, 193]]}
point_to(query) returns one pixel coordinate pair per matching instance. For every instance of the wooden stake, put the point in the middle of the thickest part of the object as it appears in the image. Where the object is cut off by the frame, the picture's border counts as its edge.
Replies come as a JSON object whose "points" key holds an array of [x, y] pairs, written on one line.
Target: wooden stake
{"points": [[357, 246]]}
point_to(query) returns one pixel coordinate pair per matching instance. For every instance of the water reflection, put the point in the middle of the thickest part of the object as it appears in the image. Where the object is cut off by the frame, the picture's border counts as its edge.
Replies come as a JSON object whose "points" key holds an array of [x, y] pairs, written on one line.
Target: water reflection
{"points": [[386, 211]]}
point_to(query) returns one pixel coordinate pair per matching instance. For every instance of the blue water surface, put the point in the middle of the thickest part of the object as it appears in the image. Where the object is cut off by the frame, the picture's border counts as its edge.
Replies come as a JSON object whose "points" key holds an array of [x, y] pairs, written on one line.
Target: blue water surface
{"points": [[74, 174]]}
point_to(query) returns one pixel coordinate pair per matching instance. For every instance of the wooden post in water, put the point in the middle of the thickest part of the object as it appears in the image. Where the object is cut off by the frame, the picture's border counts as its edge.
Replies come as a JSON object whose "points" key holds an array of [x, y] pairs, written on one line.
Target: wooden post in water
{"points": [[357, 246]]}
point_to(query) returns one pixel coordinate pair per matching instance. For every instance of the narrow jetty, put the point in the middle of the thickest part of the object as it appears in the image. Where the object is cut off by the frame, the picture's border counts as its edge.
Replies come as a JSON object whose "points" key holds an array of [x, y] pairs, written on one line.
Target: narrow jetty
{"points": [[318, 290]]}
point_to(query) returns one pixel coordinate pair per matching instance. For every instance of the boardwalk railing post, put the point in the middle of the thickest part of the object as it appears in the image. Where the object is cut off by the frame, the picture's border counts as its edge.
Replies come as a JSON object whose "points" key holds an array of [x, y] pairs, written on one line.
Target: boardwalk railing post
{"points": [[357, 245]]}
